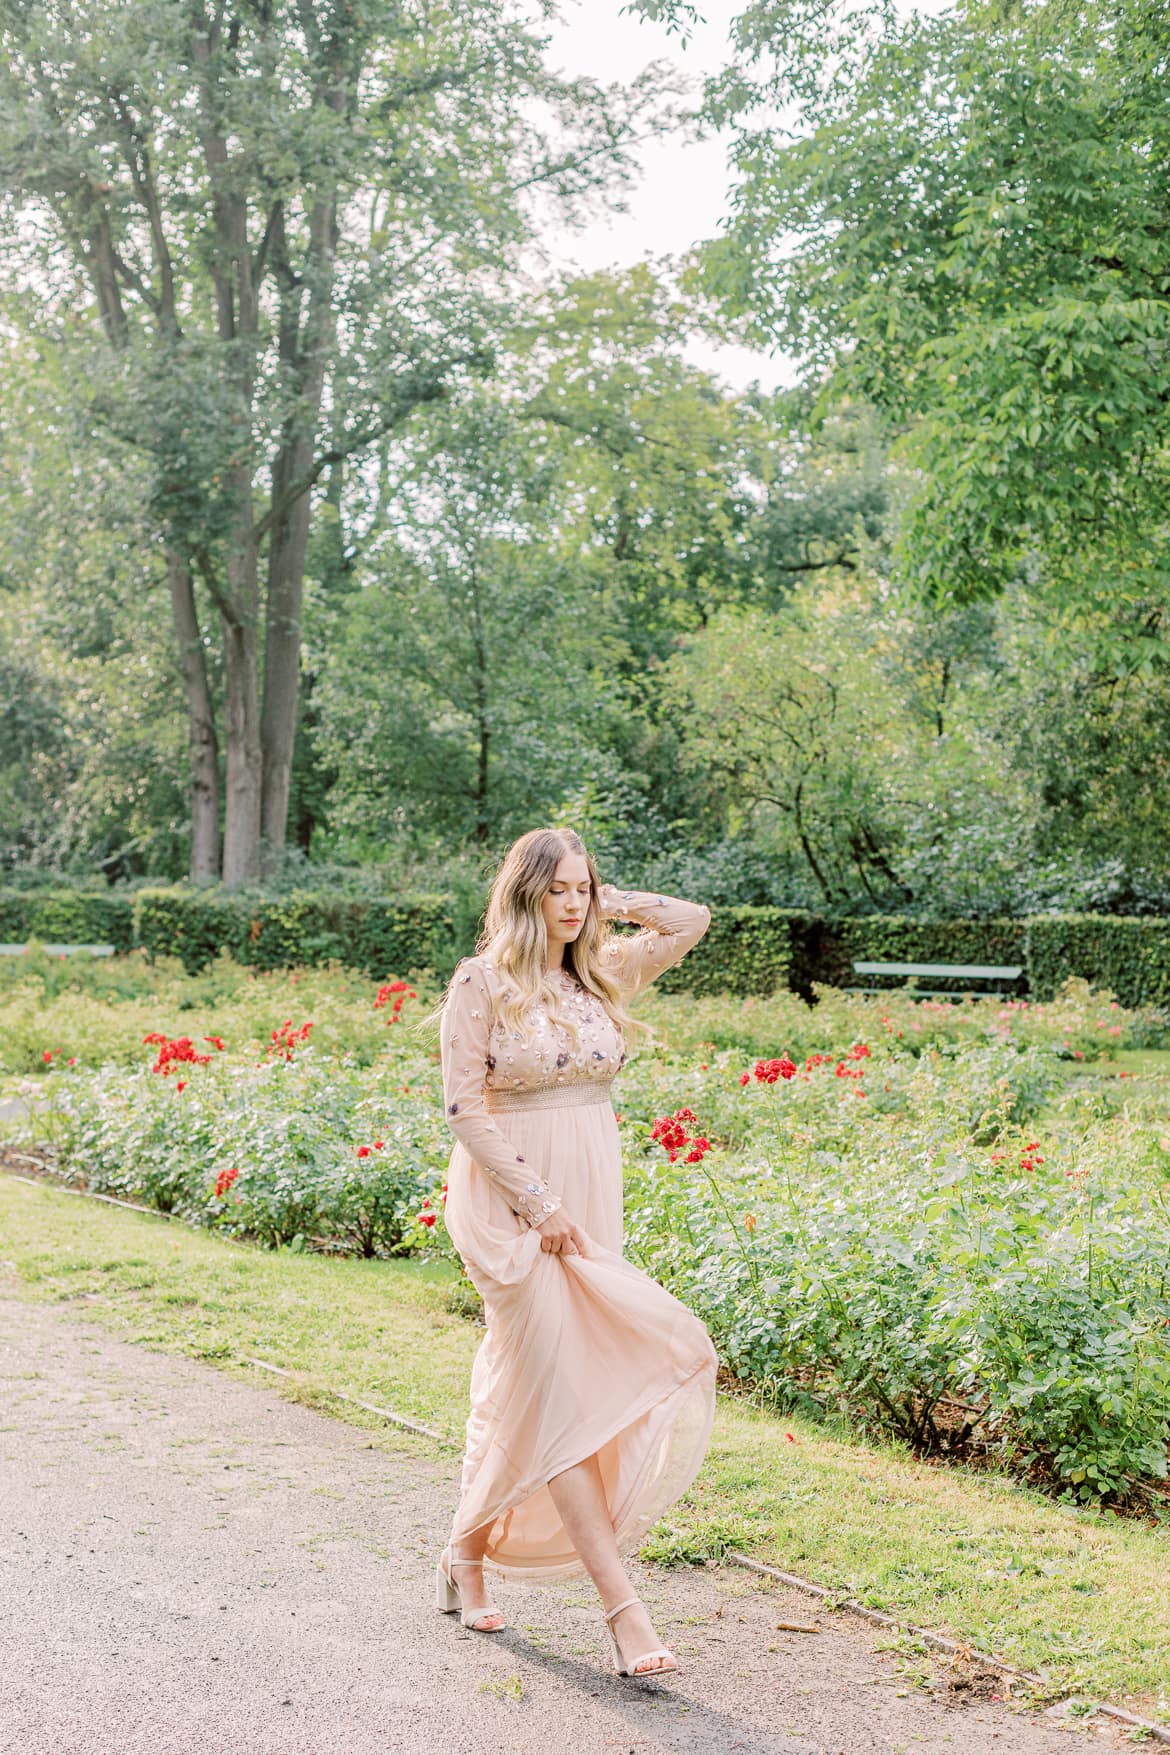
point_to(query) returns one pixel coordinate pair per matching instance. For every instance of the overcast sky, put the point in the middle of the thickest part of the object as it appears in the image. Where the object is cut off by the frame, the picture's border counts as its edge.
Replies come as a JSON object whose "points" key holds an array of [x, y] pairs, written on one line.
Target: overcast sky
{"points": [[682, 195]]}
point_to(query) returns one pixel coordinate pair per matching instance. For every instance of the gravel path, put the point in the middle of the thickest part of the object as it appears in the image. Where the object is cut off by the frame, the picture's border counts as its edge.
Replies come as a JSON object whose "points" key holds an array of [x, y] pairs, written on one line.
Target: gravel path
{"points": [[192, 1565]]}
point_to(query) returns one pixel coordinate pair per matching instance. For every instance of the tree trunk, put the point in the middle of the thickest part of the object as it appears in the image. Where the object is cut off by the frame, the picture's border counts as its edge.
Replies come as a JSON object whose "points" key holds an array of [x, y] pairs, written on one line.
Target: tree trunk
{"points": [[241, 833], [202, 743], [241, 707], [291, 508], [483, 728], [288, 542], [282, 653]]}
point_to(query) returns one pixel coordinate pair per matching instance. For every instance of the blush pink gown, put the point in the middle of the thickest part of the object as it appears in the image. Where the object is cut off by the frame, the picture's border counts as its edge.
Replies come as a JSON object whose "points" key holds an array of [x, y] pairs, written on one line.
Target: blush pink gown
{"points": [[583, 1353]]}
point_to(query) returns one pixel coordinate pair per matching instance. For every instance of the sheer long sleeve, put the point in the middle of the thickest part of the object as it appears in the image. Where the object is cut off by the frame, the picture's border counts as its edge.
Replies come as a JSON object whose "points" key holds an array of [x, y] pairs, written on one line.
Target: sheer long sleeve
{"points": [[672, 928], [464, 1044]]}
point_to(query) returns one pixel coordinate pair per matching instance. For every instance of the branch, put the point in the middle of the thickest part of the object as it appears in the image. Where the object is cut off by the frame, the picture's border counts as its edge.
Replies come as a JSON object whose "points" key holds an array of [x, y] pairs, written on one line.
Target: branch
{"points": [[611, 143], [438, 79], [133, 279], [218, 595], [615, 447], [260, 260], [840, 560], [136, 152], [431, 391]]}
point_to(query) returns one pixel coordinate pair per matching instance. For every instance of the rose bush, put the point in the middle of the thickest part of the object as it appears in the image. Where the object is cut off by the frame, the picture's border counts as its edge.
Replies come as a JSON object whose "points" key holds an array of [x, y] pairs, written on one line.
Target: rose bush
{"points": [[322, 1148], [947, 1221], [962, 1288]]}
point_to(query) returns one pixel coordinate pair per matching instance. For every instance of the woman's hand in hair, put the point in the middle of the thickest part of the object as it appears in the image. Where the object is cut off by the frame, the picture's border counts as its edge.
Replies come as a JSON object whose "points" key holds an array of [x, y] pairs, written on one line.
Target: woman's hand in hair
{"points": [[559, 1235], [609, 902]]}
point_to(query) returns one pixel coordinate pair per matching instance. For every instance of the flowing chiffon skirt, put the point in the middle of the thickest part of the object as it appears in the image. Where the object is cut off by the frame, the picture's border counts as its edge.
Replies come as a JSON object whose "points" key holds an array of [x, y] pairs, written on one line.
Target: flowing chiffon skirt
{"points": [[583, 1353]]}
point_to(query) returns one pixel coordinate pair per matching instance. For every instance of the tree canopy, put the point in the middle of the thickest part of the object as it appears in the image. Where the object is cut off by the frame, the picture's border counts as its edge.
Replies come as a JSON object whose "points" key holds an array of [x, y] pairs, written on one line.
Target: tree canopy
{"points": [[961, 220], [350, 529]]}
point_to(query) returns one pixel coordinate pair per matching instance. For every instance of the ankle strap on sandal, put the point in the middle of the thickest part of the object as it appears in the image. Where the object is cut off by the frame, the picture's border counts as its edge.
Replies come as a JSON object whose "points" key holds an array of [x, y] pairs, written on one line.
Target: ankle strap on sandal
{"points": [[610, 1613]]}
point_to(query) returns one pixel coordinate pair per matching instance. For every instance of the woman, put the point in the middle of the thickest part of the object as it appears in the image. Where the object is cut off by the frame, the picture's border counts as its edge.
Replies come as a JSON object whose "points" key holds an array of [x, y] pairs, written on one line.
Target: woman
{"points": [[593, 1391]]}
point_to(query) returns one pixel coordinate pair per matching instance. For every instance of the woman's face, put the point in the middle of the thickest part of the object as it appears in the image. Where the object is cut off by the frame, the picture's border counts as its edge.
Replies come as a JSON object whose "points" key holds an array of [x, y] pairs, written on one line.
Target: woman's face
{"points": [[566, 901]]}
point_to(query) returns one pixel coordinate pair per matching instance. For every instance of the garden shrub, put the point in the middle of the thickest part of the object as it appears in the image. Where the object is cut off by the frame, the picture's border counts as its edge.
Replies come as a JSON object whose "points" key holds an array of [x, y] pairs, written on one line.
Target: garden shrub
{"points": [[1131, 957], [747, 950], [271, 1150], [377, 935], [902, 1212], [75, 917], [890, 1269]]}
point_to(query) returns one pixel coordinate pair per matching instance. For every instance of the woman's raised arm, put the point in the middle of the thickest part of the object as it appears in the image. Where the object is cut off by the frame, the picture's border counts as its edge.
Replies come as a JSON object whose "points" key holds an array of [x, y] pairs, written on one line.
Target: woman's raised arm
{"points": [[464, 1035], [672, 928]]}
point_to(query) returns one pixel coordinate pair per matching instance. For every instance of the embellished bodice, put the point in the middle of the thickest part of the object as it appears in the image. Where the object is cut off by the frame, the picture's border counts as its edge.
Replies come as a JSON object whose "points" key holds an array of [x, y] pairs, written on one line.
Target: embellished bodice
{"points": [[548, 1055]]}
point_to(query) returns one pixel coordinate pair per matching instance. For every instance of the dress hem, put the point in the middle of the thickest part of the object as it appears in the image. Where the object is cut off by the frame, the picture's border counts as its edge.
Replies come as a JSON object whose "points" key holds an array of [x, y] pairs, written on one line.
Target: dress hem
{"points": [[576, 1567]]}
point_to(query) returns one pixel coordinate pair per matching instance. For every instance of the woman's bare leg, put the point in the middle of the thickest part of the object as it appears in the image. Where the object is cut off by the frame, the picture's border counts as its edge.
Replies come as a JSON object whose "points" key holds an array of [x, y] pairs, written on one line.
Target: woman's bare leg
{"points": [[472, 1590], [579, 1495]]}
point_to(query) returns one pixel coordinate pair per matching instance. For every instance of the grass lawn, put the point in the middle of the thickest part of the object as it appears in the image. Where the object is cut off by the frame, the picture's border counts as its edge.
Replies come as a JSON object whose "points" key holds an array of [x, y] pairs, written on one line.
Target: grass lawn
{"points": [[1081, 1596]]}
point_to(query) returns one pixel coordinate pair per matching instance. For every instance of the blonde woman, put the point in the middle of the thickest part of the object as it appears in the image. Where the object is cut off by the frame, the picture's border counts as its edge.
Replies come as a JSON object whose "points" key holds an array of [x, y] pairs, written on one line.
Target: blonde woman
{"points": [[593, 1391]]}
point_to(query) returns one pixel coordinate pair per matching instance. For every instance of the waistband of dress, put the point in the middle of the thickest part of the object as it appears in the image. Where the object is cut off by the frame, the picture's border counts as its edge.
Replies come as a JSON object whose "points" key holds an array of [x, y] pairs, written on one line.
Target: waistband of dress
{"points": [[567, 1095]]}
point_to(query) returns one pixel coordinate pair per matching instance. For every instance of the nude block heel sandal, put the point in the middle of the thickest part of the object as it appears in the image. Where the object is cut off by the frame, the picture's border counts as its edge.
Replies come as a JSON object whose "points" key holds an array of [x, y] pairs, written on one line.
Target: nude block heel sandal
{"points": [[619, 1663], [447, 1597]]}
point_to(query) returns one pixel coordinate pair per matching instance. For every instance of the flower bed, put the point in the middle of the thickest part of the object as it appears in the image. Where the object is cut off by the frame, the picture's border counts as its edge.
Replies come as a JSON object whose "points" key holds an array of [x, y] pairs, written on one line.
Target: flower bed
{"points": [[921, 1216]]}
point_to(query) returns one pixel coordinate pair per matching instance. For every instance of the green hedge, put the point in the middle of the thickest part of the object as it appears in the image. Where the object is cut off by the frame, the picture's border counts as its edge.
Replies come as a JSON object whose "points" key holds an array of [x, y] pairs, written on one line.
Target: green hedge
{"points": [[834, 945], [1131, 956], [378, 935], [66, 917], [745, 950]]}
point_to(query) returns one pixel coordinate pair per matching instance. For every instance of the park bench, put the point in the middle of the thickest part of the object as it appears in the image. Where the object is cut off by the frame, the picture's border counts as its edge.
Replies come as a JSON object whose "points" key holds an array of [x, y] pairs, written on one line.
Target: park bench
{"points": [[59, 950], [955, 971]]}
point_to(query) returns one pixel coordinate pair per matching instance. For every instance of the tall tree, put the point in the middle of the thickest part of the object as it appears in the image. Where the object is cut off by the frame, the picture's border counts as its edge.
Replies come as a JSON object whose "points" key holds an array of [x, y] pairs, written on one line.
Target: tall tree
{"points": [[962, 219], [233, 215], [523, 564], [453, 703]]}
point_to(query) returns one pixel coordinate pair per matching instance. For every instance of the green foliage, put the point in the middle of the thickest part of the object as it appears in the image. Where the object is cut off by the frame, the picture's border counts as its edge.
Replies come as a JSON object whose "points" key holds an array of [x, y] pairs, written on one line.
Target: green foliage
{"points": [[853, 736], [98, 1013], [744, 950], [747, 949], [747, 946], [232, 226], [549, 536], [289, 1131], [374, 934], [915, 1261], [883, 938], [1128, 957], [939, 1227], [967, 233], [66, 917], [1132, 957], [92, 753], [706, 1542]]}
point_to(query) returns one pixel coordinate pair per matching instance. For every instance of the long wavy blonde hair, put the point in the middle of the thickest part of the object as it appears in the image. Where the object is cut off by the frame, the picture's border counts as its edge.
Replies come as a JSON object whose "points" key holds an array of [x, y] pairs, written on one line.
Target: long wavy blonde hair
{"points": [[515, 939]]}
